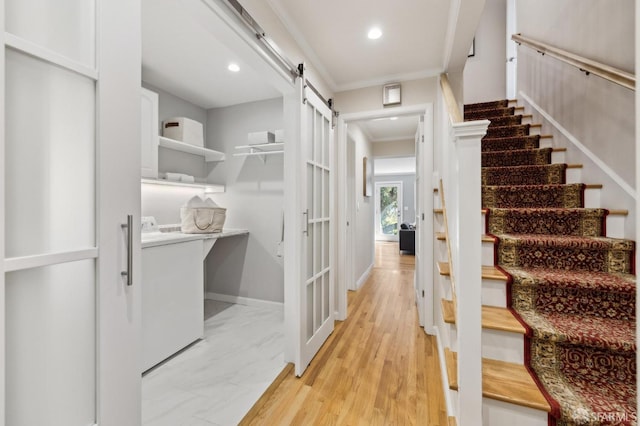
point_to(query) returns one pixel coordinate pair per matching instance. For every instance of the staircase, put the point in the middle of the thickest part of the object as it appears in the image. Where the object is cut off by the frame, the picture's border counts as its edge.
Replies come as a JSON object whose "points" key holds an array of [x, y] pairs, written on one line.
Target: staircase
{"points": [[558, 294]]}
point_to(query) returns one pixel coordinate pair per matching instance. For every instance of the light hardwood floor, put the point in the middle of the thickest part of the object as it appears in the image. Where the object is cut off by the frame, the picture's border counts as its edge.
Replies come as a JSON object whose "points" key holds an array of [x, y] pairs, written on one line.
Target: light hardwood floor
{"points": [[377, 368]]}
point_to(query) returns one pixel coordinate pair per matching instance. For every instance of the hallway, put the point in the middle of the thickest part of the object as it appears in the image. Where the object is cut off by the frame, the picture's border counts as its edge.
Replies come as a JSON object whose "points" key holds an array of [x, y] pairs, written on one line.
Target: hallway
{"points": [[377, 368]]}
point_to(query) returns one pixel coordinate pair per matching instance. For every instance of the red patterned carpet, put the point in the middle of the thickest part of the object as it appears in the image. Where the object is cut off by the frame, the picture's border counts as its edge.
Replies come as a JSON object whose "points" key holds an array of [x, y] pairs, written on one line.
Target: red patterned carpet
{"points": [[571, 286]]}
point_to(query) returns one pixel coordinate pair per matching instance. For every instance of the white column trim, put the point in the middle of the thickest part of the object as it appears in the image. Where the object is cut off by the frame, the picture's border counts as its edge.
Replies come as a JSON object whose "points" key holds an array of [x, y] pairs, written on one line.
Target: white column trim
{"points": [[466, 139]]}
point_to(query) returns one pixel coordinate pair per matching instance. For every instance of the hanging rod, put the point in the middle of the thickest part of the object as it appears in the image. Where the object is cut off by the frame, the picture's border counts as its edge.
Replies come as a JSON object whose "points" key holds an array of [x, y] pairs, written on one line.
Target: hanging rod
{"points": [[586, 65]]}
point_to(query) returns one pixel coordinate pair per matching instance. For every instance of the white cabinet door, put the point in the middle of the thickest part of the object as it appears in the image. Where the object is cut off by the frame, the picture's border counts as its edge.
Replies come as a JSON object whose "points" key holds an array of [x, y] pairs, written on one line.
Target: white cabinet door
{"points": [[69, 178], [149, 134], [172, 299]]}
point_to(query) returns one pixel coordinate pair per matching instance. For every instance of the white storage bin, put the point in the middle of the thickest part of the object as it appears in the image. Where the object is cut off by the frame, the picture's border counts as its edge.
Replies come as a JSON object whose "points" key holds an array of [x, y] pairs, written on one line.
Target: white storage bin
{"points": [[263, 137], [184, 129]]}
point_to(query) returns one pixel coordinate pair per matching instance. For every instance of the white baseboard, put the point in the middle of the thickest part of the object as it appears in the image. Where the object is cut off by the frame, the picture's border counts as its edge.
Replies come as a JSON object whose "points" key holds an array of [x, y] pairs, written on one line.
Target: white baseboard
{"points": [[363, 278], [244, 301], [597, 161]]}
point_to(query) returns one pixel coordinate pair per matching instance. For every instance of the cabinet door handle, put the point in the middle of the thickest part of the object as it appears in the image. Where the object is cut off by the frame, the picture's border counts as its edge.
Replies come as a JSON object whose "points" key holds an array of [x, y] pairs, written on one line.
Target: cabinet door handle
{"points": [[128, 273]]}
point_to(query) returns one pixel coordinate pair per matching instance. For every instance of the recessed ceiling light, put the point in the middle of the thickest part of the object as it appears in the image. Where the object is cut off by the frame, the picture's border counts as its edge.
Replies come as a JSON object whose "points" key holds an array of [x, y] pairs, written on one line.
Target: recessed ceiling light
{"points": [[393, 118], [374, 33], [233, 67]]}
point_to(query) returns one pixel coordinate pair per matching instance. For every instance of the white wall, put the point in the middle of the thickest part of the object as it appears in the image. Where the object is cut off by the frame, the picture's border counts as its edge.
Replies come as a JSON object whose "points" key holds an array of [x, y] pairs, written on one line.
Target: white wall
{"points": [[414, 92], [254, 198], [364, 216], [596, 113], [485, 73], [402, 148]]}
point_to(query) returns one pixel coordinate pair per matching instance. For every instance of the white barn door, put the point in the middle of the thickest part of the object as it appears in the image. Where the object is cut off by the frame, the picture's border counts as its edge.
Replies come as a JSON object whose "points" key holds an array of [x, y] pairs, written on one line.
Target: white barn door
{"points": [[313, 232], [69, 179]]}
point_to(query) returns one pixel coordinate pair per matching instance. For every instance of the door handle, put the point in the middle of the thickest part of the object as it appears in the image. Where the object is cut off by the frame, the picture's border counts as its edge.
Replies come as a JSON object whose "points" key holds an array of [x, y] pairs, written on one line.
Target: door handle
{"points": [[306, 227], [129, 227]]}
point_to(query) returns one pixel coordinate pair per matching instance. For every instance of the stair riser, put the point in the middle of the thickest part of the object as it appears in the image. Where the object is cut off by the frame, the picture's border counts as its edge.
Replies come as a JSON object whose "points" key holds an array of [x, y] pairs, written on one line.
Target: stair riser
{"points": [[498, 413], [574, 175], [592, 198], [494, 293], [496, 344], [488, 253], [615, 226], [558, 157]]}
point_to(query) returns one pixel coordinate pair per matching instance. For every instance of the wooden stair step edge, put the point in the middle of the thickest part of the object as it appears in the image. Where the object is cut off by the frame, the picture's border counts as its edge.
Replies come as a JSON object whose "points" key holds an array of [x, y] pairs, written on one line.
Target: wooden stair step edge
{"points": [[621, 212], [618, 212], [488, 272], [451, 420], [502, 381], [441, 236], [493, 317]]}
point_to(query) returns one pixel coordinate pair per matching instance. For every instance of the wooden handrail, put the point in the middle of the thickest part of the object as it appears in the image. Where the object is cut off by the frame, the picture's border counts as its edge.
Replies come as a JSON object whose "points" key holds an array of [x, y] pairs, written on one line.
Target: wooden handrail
{"points": [[450, 99], [589, 66], [448, 242]]}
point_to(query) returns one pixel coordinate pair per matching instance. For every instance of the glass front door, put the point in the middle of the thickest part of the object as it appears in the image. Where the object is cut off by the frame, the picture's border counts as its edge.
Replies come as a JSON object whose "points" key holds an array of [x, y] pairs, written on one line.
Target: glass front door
{"points": [[388, 210]]}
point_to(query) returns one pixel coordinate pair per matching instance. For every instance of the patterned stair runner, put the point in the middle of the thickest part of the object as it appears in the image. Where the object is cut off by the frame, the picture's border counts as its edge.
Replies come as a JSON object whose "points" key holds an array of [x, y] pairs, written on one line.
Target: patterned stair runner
{"points": [[571, 286]]}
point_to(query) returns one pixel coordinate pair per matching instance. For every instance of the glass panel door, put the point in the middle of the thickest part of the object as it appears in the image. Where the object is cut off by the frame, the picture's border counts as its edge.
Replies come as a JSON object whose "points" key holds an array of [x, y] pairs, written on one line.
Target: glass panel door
{"points": [[316, 280], [388, 210]]}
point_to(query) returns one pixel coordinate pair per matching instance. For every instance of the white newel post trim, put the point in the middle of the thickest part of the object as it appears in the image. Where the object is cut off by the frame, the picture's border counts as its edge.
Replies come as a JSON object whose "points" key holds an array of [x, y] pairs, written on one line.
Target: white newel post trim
{"points": [[466, 137]]}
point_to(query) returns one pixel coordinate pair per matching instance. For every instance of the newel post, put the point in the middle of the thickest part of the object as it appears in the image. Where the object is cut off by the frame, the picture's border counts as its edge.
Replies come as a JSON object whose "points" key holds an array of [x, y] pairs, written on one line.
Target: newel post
{"points": [[466, 137]]}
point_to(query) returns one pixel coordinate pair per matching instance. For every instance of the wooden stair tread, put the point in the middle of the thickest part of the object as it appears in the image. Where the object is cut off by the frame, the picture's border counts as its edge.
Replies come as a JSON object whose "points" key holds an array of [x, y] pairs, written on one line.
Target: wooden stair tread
{"points": [[546, 136], [493, 317], [502, 381], [441, 236], [452, 421], [574, 166], [443, 268], [489, 272], [558, 149]]}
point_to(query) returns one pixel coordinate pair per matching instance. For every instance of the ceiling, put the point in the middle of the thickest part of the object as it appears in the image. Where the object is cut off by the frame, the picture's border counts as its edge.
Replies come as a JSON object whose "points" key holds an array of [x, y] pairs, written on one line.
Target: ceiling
{"points": [[333, 33], [188, 56], [385, 129], [186, 46]]}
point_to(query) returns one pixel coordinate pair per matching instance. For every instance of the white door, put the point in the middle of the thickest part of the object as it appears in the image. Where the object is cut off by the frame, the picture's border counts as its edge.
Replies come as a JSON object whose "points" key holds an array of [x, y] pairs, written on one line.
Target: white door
{"points": [[388, 210], [312, 247], [69, 172], [512, 51], [350, 210], [419, 194]]}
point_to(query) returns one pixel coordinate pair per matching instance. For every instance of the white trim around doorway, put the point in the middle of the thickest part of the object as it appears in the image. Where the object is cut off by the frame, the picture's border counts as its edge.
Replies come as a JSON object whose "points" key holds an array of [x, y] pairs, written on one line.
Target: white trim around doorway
{"points": [[343, 281]]}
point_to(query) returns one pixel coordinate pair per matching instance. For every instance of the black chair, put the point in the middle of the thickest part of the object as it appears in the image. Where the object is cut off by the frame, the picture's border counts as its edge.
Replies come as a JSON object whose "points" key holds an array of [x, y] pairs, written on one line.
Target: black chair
{"points": [[408, 240]]}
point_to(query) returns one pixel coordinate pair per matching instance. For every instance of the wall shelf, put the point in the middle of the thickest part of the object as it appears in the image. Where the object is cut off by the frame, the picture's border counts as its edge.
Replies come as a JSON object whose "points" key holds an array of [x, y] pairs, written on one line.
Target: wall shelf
{"points": [[208, 188], [260, 150], [208, 154]]}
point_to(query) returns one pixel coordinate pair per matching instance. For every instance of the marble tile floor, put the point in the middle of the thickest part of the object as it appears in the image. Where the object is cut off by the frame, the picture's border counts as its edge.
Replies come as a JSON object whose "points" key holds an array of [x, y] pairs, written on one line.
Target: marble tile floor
{"points": [[217, 380]]}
